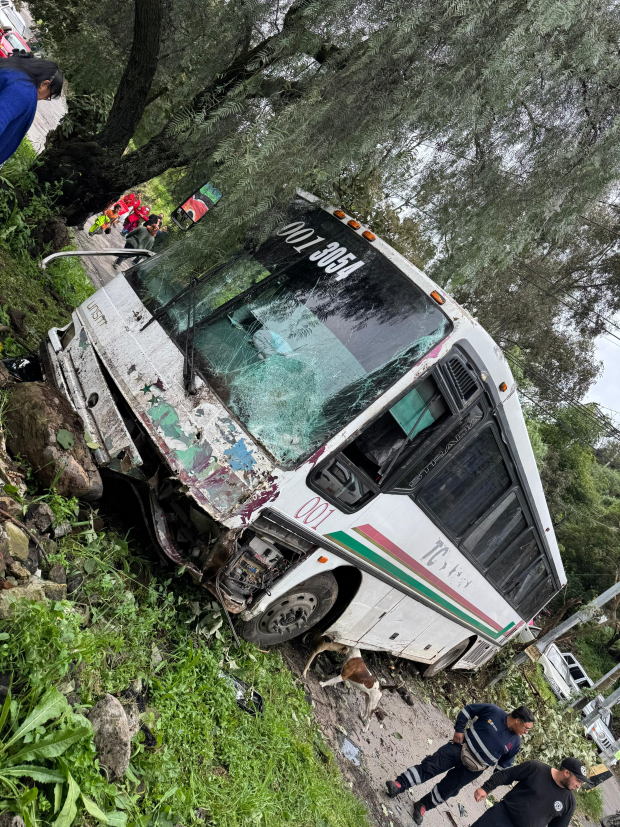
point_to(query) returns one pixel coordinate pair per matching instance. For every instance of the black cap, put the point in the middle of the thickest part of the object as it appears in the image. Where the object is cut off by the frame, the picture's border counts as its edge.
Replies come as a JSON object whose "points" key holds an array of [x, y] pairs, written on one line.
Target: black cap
{"points": [[576, 767]]}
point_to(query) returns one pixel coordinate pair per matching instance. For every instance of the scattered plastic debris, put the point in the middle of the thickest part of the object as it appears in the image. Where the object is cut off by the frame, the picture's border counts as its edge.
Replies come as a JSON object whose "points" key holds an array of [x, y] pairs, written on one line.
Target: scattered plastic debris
{"points": [[247, 699], [351, 751]]}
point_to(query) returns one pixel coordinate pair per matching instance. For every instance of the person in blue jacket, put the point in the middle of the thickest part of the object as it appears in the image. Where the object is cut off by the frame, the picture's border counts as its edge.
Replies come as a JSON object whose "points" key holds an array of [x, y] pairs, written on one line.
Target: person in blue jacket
{"points": [[484, 736], [23, 82]]}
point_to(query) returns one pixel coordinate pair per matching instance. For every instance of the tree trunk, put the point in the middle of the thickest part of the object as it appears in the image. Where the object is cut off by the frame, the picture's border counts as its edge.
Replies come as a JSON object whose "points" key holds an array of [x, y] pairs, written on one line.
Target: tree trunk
{"points": [[132, 94], [95, 172]]}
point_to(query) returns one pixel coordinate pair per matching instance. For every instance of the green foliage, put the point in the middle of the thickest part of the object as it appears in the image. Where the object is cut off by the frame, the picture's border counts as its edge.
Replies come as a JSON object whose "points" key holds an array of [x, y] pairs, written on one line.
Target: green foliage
{"points": [[590, 802], [590, 647], [69, 279], [273, 769], [46, 297]]}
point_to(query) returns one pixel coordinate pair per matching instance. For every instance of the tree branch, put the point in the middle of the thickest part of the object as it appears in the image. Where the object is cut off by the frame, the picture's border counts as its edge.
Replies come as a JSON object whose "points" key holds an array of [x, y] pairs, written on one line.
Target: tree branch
{"points": [[131, 96]]}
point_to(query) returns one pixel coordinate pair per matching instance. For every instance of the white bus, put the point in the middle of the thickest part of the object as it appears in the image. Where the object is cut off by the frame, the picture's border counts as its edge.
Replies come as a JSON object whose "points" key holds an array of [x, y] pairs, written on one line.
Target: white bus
{"points": [[323, 438]]}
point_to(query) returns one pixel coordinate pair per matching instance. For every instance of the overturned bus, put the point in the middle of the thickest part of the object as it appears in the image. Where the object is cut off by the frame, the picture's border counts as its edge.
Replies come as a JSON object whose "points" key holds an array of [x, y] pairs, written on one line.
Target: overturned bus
{"points": [[322, 438]]}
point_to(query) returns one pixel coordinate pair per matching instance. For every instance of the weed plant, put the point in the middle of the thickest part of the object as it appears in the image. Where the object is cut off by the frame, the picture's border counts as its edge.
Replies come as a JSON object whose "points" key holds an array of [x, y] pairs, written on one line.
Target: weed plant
{"points": [[46, 297], [213, 763]]}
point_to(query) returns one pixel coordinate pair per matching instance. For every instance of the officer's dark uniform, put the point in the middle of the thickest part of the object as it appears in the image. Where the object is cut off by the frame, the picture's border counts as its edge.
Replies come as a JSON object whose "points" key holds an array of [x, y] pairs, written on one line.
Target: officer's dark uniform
{"points": [[535, 801], [490, 741]]}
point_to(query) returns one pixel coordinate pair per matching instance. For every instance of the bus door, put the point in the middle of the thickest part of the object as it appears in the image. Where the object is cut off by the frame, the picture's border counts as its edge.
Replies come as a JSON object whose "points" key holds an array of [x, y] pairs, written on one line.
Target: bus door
{"points": [[460, 536]]}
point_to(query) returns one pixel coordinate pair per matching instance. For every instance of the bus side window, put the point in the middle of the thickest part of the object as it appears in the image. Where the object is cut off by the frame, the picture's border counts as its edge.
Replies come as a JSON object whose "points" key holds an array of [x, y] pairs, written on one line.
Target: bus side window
{"points": [[492, 536], [352, 477], [468, 484], [531, 589]]}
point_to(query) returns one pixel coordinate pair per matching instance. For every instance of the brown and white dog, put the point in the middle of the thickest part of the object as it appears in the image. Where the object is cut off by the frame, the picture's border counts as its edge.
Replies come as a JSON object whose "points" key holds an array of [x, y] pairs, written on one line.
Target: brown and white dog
{"points": [[356, 672]]}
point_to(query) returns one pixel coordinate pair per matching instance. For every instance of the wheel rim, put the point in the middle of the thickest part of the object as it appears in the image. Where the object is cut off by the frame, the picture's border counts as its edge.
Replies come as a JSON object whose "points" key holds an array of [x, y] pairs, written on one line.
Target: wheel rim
{"points": [[291, 612]]}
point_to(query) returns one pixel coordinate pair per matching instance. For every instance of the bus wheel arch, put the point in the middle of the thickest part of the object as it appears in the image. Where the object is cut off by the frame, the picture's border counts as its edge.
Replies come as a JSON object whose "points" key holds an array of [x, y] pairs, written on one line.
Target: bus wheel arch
{"points": [[449, 659], [293, 613]]}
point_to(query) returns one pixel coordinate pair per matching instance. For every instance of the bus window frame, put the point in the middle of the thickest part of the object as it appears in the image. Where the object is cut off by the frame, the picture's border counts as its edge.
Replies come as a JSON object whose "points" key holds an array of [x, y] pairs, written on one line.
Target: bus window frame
{"points": [[436, 374], [488, 420]]}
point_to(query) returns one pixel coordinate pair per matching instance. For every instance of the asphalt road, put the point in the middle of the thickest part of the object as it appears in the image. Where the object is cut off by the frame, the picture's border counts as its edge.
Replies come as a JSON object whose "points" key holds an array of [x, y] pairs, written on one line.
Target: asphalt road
{"points": [[610, 791]]}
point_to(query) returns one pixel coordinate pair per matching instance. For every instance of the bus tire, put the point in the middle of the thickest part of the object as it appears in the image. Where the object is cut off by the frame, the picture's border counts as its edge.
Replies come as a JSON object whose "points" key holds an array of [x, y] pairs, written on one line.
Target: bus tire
{"points": [[293, 613], [446, 661]]}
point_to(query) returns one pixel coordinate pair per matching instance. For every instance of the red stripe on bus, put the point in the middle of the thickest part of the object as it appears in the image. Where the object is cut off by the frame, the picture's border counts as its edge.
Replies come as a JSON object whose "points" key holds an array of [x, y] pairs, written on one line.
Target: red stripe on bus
{"points": [[387, 545]]}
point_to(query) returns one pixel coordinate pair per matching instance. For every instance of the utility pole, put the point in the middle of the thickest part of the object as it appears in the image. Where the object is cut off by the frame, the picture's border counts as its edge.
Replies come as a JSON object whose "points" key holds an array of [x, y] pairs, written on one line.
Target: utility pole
{"points": [[601, 684], [582, 616]]}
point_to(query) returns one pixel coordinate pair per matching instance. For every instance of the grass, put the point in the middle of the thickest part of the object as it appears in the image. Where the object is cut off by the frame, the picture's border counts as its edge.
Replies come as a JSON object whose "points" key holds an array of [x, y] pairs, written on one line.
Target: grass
{"points": [[591, 804], [46, 297], [242, 771]]}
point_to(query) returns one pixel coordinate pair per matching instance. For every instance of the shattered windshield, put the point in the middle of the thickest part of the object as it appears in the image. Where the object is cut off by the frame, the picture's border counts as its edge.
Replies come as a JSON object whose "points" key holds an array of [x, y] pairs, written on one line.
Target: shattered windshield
{"points": [[300, 336]]}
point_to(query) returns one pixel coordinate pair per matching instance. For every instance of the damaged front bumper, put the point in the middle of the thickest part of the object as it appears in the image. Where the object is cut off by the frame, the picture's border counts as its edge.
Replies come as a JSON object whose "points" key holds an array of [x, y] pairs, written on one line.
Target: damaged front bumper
{"points": [[78, 374]]}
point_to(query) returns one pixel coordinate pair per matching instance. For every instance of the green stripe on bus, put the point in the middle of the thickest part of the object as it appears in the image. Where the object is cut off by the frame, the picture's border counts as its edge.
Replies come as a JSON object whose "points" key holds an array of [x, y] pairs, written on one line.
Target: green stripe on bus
{"points": [[346, 541]]}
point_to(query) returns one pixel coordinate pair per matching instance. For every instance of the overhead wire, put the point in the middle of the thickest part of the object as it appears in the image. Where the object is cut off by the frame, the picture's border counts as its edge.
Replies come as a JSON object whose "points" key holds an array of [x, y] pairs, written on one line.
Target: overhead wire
{"points": [[593, 415]]}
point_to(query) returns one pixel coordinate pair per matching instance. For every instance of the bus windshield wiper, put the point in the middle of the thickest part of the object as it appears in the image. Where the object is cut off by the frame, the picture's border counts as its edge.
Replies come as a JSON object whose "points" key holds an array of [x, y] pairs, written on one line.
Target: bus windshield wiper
{"points": [[194, 282], [405, 444]]}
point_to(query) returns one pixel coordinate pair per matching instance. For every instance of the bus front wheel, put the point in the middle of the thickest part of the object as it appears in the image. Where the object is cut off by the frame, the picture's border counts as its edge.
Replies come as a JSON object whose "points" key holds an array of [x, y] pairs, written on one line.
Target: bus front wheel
{"points": [[446, 661], [294, 613]]}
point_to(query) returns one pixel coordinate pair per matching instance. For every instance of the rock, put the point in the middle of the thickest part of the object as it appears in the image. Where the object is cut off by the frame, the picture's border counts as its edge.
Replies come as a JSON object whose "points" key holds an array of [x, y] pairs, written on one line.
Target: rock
{"points": [[49, 546], [111, 733], [5, 377], [18, 542], [156, 656], [39, 517], [200, 813], [54, 591], [33, 560], [17, 570], [36, 414], [74, 582], [62, 529], [18, 319], [133, 719], [57, 574], [31, 591], [10, 505], [404, 694], [11, 820]]}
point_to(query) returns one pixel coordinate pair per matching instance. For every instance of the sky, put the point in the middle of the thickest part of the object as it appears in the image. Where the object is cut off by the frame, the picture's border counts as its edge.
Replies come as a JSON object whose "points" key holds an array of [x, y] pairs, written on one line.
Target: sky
{"points": [[606, 390]]}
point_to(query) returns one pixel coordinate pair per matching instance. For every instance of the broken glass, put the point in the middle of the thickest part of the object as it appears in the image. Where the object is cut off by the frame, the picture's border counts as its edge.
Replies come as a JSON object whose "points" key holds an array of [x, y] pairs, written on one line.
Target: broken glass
{"points": [[295, 348]]}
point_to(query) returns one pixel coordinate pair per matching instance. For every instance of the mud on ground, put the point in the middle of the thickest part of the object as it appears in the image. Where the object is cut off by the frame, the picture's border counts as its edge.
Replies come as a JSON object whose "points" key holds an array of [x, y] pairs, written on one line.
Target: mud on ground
{"points": [[406, 735]]}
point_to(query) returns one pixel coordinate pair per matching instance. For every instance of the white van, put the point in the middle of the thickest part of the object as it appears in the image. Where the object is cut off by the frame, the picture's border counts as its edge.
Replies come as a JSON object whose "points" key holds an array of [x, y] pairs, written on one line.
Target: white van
{"points": [[12, 19]]}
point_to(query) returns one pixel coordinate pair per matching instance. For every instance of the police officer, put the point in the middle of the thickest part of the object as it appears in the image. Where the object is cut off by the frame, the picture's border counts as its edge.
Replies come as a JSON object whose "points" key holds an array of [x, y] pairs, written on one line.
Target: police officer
{"points": [[542, 797], [494, 738]]}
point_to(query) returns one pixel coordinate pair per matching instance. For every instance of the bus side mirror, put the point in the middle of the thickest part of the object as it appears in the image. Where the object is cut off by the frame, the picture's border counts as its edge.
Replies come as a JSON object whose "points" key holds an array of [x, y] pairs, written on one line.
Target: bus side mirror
{"points": [[193, 210]]}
